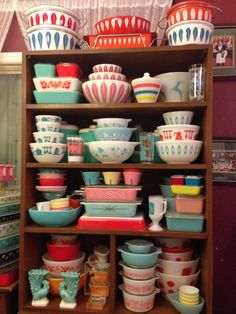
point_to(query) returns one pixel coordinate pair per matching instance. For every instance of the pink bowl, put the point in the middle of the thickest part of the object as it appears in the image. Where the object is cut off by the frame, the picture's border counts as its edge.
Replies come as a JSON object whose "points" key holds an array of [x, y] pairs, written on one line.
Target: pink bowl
{"points": [[106, 92], [123, 25], [107, 76], [107, 67]]}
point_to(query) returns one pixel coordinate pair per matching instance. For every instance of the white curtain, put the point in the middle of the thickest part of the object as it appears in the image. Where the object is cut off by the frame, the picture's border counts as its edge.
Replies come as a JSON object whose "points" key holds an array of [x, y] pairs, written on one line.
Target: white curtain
{"points": [[95, 10], [10, 122], [7, 8]]}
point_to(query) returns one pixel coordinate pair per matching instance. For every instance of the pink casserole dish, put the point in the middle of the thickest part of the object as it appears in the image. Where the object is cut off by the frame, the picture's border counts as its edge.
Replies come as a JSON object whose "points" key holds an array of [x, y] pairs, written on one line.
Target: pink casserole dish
{"points": [[111, 193], [189, 204]]}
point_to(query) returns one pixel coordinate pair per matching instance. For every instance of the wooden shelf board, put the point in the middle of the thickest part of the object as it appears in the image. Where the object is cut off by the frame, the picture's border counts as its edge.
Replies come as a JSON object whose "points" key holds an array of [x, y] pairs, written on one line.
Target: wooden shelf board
{"points": [[10, 287], [73, 229], [116, 166]]}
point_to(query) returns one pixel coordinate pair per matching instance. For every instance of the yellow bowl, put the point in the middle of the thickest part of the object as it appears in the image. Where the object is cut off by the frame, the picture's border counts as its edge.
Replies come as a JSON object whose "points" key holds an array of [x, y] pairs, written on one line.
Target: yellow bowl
{"points": [[186, 301], [188, 296]]}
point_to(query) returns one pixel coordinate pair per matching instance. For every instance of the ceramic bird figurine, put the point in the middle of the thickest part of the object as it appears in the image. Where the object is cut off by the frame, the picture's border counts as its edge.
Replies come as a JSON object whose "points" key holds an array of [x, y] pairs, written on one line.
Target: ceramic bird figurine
{"points": [[69, 289], [39, 287]]}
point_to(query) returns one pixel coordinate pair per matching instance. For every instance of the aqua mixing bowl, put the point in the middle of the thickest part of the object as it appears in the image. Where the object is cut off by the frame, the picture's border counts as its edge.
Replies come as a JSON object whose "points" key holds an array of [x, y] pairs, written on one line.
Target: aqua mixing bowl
{"points": [[185, 308], [139, 246], [113, 133], [139, 260]]}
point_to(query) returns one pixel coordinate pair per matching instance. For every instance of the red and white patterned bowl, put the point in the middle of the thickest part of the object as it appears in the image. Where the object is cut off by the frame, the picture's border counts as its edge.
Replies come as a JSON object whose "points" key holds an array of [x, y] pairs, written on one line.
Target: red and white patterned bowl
{"points": [[177, 132], [179, 268], [189, 10], [54, 15], [107, 76], [105, 67], [123, 25], [106, 92]]}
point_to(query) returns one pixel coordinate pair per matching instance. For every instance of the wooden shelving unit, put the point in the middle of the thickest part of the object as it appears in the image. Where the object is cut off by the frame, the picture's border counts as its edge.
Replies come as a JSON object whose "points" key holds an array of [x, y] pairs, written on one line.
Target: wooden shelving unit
{"points": [[134, 62]]}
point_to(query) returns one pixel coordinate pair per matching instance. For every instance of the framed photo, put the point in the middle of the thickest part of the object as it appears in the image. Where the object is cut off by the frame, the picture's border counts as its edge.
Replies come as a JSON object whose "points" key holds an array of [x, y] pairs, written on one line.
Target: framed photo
{"points": [[224, 160], [224, 51]]}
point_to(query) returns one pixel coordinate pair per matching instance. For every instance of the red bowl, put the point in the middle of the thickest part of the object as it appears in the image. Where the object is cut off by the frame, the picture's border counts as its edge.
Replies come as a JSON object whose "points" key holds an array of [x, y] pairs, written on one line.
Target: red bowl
{"points": [[127, 24], [69, 70], [63, 252], [189, 10], [176, 250], [51, 181]]}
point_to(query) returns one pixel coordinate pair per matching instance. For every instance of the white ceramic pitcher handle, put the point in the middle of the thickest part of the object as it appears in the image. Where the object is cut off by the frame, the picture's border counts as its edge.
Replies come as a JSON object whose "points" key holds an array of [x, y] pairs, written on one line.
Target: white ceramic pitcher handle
{"points": [[164, 202]]}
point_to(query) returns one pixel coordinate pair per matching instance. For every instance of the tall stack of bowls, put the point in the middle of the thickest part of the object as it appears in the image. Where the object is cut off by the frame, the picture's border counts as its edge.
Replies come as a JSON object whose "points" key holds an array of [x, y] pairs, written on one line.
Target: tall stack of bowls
{"points": [[53, 27], [178, 143], [176, 266], [106, 85], [112, 142], [49, 145], [139, 259], [189, 22]]}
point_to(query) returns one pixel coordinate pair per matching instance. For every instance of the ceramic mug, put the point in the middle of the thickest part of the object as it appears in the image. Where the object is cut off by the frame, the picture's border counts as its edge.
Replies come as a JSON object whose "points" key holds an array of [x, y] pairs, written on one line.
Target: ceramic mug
{"points": [[91, 177], [43, 206], [111, 177], [157, 207], [132, 176]]}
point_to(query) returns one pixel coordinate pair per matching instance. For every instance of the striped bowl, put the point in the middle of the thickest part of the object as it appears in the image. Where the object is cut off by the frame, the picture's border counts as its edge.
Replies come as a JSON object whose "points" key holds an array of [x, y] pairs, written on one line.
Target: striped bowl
{"points": [[146, 89]]}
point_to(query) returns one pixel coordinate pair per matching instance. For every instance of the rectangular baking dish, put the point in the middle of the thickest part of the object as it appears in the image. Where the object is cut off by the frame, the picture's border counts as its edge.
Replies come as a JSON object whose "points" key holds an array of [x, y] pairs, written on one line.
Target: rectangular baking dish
{"points": [[184, 222], [189, 204]]}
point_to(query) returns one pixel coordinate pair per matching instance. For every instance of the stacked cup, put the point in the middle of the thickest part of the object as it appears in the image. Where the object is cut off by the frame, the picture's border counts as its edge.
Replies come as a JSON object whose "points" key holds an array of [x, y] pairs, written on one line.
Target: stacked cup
{"points": [[188, 295], [60, 204]]}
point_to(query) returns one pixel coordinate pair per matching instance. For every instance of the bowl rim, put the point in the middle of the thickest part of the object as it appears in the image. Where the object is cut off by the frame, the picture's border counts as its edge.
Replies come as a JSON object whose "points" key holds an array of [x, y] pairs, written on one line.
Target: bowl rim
{"points": [[50, 7], [187, 22], [50, 27]]}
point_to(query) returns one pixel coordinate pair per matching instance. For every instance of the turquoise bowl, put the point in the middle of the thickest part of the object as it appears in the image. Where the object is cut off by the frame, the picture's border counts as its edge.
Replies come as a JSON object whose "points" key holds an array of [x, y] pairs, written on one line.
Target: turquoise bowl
{"points": [[166, 191], [185, 308], [139, 260], [54, 218], [58, 97], [44, 69], [139, 246], [113, 133]]}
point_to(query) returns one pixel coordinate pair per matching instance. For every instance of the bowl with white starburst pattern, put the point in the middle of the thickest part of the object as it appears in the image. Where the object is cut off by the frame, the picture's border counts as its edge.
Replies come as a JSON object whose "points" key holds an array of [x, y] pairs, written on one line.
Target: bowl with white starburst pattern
{"points": [[112, 151], [179, 152]]}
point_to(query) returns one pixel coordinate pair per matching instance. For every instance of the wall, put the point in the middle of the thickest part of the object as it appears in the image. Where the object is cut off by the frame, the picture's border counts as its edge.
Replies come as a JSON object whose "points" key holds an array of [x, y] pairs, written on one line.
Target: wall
{"points": [[224, 196]]}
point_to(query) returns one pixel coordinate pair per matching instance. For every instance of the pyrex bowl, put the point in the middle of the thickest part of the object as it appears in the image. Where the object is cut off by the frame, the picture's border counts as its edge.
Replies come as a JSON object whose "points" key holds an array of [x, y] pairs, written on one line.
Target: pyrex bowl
{"points": [[112, 122], [179, 152], [112, 151], [179, 268], [63, 252], [107, 67], [48, 152], [48, 137], [47, 117], [51, 181], [107, 76], [113, 133], [54, 218], [139, 260], [185, 308], [178, 255], [106, 92], [139, 246], [176, 132], [137, 273], [173, 243], [48, 126], [63, 239], [178, 117], [58, 267]]}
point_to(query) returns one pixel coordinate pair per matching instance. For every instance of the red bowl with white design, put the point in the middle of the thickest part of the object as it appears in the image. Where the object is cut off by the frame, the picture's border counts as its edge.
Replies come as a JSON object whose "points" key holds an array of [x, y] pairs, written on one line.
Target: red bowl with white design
{"points": [[106, 92], [107, 67], [107, 76], [58, 267], [190, 10], [178, 132], [139, 287], [66, 69], [57, 84], [179, 268], [126, 24], [54, 15], [169, 284], [138, 303]]}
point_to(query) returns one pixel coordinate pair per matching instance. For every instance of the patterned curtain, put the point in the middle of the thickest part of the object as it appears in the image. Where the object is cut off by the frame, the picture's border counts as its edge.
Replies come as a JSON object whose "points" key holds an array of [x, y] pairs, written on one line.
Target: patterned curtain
{"points": [[6, 15]]}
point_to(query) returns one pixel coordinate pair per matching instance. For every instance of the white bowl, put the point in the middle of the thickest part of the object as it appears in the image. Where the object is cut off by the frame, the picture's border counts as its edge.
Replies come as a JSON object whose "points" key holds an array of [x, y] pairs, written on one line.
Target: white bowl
{"points": [[112, 122], [58, 267], [139, 287], [176, 132], [178, 117], [51, 152], [112, 151], [174, 243], [47, 118], [138, 273], [51, 37], [179, 268], [174, 86], [169, 284], [48, 126], [190, 32], [107, 76], [107, 67], [48, 137], [57, 84], [53, 15], [179, 152], [177, 256], [106, 92]]}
